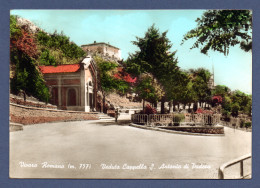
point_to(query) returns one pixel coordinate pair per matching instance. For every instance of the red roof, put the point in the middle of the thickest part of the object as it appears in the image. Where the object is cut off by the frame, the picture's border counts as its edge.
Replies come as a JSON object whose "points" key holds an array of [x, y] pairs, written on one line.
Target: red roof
{"points": [[123, 75], [59, 68]]}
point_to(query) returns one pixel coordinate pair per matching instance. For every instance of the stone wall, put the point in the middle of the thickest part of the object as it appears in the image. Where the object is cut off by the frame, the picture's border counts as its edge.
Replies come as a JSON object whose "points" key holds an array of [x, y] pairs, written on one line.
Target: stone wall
{"points": [[32, 103], [31, 115]]}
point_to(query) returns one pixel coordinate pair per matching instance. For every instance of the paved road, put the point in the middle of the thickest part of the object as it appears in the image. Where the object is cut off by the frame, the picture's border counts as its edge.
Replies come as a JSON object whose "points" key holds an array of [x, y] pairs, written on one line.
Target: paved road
{"points": [[119, 146]]}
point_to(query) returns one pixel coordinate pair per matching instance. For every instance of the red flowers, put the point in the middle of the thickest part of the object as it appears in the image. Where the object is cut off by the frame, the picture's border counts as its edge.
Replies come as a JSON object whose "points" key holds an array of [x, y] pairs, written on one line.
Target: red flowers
{"points": [[25, 43]]}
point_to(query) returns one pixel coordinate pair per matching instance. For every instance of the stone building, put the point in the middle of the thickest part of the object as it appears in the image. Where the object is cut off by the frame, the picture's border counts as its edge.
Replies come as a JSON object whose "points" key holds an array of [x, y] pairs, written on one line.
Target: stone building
{"points": [[104, 49], [74, 86]]}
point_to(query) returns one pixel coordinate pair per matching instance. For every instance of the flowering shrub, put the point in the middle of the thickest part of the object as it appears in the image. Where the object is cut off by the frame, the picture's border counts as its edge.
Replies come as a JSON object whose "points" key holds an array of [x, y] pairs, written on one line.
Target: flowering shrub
{"points": [[25, 43], [217, 99], [201, 111], [149, 110]]}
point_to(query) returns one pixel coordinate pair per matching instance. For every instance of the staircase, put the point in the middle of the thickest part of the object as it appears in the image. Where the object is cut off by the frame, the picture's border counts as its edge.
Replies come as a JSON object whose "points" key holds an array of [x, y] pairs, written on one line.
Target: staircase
{"points": [[104, 116]]}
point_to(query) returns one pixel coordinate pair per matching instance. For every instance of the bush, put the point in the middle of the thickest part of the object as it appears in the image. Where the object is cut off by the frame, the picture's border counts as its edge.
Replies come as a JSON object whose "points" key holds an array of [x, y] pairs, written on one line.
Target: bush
{"points": [[242, 123], [177, 119], [248, 124], [234, 109], [62, 42], [149, 110]]}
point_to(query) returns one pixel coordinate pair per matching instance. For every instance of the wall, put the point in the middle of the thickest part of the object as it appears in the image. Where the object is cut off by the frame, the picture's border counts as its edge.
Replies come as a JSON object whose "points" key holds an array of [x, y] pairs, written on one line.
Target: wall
{"points": [[104, 49], [31, 115]]}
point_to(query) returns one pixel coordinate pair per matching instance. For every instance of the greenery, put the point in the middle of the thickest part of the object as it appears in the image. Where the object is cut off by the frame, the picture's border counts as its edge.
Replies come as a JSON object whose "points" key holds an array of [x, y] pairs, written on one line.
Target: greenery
{"points": [[107, 82], [46, 58], [28, 79], [25, 76], [154, 58], [200, 79], [177, 119], [248, 124], [60, 42], [217, 30], [28, 50]]}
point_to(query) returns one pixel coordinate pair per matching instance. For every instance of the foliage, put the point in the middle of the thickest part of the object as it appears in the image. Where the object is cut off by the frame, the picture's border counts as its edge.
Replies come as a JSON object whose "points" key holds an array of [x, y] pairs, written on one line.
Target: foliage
{"points": [[27, 78], [200, 79], [46, 58], [217, 30], [29, 49], [21, 40], [178, 118], [248, 124], [149, 110], [15, 31], [221, 90], [154, 58], [60, 43], [234, 109], [148, 88], [106, 80]]}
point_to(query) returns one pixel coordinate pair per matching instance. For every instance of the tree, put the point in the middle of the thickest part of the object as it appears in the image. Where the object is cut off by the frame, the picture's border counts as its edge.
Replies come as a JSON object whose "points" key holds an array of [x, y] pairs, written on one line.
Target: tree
{"points": [[107, 83], [23, 52], [148, 89], [217, 30], [200, 79], [221, 90], [154, 57]]}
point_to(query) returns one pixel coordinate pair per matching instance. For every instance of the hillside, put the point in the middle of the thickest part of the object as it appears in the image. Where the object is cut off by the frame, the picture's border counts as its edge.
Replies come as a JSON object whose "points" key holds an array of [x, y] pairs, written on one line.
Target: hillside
{"points": [[30, 47]]}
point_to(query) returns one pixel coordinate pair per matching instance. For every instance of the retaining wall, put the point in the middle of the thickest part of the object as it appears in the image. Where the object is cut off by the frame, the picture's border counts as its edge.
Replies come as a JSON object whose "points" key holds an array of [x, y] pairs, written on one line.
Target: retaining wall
{"points": [[31, 115], [205, 130]]}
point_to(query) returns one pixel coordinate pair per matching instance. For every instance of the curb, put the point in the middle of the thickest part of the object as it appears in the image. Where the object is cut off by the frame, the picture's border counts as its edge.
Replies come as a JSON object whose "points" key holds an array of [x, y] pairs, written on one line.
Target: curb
{"points": [[172, 131], [15, 127]]}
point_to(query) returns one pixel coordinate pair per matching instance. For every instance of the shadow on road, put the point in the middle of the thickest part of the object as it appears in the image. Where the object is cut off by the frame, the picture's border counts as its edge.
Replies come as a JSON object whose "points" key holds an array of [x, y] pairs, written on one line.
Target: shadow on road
{"points": [[112, 122]]}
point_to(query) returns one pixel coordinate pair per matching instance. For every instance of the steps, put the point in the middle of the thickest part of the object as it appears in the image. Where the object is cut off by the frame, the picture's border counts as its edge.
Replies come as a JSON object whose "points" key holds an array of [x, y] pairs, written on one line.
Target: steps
{"points": [[104, 116]]}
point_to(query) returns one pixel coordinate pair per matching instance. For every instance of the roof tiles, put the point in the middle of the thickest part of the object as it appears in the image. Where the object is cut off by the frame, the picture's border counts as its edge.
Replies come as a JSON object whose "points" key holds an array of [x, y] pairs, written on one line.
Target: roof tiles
{"points": [[59, 68]]}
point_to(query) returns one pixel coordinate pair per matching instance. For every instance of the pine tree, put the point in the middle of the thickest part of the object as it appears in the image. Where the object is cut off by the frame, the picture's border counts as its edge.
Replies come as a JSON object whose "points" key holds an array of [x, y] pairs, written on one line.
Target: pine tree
{"points": [[154, 57]]}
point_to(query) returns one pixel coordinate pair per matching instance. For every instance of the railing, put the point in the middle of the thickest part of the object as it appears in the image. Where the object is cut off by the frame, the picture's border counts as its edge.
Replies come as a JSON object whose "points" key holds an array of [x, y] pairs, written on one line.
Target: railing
{"points": [[139, 118], [161, 118], [233, 162], [166, 119]]}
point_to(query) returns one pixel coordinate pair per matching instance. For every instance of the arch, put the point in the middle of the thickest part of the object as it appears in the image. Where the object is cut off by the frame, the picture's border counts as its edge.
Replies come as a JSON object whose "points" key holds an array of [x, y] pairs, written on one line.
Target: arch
{"points": [[72, 97]]}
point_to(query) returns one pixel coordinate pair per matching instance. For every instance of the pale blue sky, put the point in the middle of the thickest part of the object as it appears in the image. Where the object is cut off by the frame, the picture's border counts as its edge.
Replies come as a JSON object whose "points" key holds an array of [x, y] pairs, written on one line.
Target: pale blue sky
{"points": [[120, 27]]}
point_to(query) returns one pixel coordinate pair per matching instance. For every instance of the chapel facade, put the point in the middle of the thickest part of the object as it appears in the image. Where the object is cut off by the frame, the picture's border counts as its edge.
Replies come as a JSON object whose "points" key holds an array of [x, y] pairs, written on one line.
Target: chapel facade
{"points": [[74, 86]]}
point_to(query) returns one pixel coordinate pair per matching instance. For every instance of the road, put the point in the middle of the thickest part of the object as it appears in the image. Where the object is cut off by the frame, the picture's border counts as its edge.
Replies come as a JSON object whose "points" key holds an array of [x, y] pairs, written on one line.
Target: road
{"points": [[89, 149]]}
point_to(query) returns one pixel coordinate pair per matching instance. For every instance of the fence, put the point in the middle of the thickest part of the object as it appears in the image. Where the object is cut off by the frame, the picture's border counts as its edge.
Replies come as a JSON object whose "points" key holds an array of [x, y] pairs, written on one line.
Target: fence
{"points": [[231, 163], [139, 118], [166, 119]]}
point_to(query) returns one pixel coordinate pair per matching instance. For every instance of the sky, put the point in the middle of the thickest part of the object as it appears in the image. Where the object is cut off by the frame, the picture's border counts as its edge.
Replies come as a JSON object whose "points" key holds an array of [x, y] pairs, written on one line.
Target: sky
{"points": [[120, 27]]}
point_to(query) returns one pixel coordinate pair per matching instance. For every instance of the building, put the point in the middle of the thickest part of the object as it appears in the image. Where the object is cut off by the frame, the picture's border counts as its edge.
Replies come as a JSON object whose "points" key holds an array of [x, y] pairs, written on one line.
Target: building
{"points": [[104, 49], [74, 86]]}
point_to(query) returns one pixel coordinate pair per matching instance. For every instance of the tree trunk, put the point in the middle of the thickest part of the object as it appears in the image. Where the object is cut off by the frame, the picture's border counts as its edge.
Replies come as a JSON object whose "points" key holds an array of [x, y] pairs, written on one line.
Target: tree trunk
{"points": [[170, 107], [173, 104], [162, 105], [184, 106], [104, 104], [143, 105]]}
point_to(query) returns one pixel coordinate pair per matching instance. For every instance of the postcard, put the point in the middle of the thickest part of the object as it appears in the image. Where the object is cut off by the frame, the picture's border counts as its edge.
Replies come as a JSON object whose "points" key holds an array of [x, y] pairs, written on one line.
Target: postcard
{"points": [[130, 94]]}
